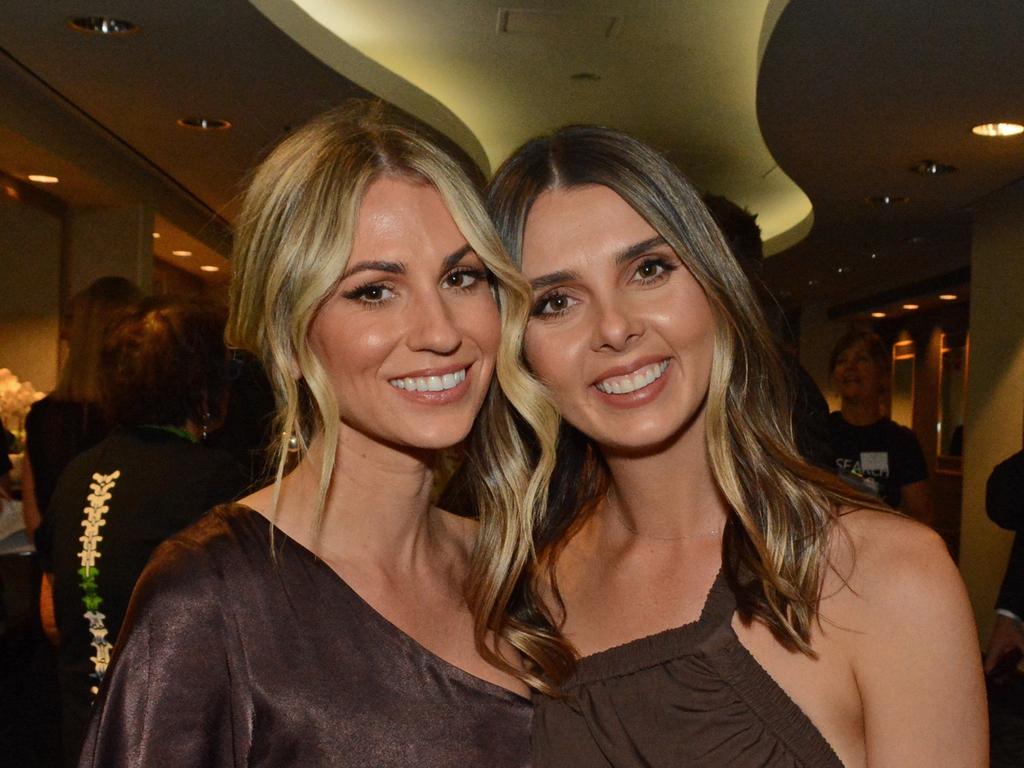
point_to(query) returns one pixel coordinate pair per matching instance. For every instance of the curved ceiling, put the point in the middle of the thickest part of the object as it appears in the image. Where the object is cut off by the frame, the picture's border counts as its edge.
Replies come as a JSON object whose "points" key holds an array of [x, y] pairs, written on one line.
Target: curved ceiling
{"points": [[682, 76]]}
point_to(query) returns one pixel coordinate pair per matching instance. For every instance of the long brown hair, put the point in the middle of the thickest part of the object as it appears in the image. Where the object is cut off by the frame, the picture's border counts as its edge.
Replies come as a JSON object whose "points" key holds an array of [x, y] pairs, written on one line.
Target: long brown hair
{"points": [[781, 510]]}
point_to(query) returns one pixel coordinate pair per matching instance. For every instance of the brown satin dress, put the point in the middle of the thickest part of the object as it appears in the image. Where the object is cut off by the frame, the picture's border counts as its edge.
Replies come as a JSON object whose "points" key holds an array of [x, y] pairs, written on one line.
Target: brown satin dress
{"points": [[691, 696], [229, 659]]}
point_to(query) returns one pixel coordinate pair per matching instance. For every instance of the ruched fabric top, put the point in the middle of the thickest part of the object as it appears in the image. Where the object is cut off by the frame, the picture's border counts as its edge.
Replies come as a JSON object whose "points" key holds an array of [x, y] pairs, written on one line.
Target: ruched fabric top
{"points": [[691, 696], [231, 657]]}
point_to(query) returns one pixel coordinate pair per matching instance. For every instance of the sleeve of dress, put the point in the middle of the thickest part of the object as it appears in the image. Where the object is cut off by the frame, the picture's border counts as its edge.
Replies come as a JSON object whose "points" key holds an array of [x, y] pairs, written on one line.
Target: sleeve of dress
{"points": [[175, 692]]}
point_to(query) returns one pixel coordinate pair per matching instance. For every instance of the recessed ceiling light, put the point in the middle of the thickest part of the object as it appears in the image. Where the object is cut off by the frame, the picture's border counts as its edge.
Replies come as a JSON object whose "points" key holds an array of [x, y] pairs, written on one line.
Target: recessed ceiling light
{"points": [[998, 129], [887, 200], [932, 168], [209, 268], [878, 314], [911, 306], [841, 270], [204, 123], [874, 255], [156, 235], [42, 178], [102, 25], [812, 283], [948, 296], [181, 253], [586, 77]]}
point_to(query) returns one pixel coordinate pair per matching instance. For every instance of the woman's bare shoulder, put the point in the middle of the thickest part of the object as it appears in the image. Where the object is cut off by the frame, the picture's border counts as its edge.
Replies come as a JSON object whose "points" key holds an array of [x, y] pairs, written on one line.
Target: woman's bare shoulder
{"points": [[884, 566]]}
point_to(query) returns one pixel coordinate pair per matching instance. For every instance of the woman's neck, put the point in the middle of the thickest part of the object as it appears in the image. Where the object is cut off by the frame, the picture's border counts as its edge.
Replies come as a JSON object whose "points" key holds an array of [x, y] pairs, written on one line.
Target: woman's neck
{"points": [[861, 412], [668, 494], [377, 507]]}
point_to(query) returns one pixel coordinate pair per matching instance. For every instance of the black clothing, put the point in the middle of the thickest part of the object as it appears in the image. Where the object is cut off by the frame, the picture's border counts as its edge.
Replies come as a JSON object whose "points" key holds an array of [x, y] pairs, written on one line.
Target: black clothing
{"points": [[55, 432], [233, 657], [1004, 502], [5, 441], [120, 499], [689, 696], [884, 455], [810, 415]]}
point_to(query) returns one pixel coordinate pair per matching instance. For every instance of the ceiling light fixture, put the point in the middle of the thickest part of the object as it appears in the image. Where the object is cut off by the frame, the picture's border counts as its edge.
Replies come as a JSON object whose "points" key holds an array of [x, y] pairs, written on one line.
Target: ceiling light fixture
{"points": [[911, 306], [878, 314], [948, 296], [841, 270], [181, 253], [998, 130], [932, 168], [887, 201], [209, 268], [586, 77], [42, 178], [203, 123], [156, 235], [102, 25]]}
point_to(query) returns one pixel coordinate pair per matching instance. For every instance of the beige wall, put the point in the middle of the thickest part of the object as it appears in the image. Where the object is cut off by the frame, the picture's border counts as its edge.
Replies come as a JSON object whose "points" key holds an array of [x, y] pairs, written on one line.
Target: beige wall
{"points": [[995, 387], [30, 264], [111, 241]]}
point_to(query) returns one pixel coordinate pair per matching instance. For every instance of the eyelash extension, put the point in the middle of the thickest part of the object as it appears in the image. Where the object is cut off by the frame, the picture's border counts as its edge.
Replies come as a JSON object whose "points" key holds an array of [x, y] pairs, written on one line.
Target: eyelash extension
{"points": [[359, 293], [482, 276], [666, 264], [538, 306]]}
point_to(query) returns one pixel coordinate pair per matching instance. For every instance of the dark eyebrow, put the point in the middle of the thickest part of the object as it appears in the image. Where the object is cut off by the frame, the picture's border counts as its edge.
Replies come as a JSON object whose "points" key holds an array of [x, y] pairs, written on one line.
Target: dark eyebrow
{"points": [[552, 278], [374, 266], [636, 250], [627, 255], [455, 257]]}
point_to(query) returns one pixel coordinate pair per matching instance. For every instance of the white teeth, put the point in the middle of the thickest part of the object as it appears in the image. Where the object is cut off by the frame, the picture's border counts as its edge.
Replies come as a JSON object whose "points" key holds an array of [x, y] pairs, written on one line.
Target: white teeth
{"points": [[430, 383], [631, 382]]}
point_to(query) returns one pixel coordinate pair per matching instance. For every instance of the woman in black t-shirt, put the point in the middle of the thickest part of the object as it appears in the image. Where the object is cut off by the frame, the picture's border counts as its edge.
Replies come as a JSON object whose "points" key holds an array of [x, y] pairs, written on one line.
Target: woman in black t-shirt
{"points": [[872, 450]]}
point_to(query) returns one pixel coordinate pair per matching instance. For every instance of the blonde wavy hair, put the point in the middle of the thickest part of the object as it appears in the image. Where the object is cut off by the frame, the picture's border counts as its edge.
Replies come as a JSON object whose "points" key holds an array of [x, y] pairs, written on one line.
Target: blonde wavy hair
{"points": [[782, 510], [292, 244]]}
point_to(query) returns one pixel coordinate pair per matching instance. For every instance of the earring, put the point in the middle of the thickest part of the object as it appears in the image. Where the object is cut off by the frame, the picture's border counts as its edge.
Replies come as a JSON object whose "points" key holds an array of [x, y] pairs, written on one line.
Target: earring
{"points": [[293, 443], [203, 424]]}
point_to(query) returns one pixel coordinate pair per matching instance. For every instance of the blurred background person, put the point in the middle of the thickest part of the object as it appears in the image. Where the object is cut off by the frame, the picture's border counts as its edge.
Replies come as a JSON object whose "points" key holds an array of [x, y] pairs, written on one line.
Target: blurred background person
{"points": [[69, 419], [871, 450], [163, 384]]}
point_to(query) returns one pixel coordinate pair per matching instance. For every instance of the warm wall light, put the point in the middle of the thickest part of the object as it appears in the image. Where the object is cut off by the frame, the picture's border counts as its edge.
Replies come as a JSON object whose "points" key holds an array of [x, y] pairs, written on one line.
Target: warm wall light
{"points": [[181, 253], [42, 179], [948, 296], [999, 130], [878, 314], [209, 268], [911, 306], [156, 235]]}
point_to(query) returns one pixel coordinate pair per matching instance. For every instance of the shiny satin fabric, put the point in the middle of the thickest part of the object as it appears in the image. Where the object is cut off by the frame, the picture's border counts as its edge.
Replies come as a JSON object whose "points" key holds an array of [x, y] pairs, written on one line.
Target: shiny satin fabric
{"points": [[227, 658]]}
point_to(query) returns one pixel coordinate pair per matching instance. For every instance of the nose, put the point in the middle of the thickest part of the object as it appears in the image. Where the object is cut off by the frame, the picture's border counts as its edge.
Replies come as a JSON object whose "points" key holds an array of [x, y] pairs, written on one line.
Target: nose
{"points": [[616, 327], [432, 327]]}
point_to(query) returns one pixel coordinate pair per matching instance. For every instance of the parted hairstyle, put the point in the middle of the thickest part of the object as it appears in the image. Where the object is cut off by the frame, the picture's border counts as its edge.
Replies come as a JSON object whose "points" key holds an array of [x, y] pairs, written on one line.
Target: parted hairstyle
{"points": [[781, 510], [164, 363], [292, 244]]}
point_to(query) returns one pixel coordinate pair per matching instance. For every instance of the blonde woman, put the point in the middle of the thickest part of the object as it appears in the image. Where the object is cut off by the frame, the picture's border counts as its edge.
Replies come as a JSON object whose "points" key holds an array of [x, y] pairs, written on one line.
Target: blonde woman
{"points": [[720, 602], [321, 621]]}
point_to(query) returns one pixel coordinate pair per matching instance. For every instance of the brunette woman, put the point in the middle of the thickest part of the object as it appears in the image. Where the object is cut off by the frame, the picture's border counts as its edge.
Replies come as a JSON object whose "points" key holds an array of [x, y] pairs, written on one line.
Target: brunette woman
{"points": [[321, 621], [720, 601]]}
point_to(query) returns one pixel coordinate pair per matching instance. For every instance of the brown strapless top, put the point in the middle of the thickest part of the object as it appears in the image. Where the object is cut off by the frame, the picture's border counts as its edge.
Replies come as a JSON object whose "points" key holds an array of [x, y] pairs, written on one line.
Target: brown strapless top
{"points": [[689, 696]]}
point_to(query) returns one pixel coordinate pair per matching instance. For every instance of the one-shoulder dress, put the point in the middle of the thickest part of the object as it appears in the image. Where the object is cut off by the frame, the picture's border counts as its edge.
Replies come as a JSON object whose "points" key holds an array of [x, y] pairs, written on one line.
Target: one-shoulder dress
{"points": [[691, 696], [230, 656]]}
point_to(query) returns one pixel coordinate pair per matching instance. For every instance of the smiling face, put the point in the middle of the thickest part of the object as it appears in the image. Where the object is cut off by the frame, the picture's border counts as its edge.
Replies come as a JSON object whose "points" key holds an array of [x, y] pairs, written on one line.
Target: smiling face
{"points": [[621, 332], [857, 376], [409, 337]]}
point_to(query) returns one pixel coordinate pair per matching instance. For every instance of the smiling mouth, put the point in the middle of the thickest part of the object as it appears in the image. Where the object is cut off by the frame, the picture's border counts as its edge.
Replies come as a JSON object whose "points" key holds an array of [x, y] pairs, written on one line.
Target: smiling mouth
{"points": [[631, 382], [430, 383]]}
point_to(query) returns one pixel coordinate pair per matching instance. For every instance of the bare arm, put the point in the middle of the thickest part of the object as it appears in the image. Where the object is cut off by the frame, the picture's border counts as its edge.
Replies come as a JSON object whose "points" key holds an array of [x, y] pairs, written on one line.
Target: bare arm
{"points": [[918, 664], [916, 501]]}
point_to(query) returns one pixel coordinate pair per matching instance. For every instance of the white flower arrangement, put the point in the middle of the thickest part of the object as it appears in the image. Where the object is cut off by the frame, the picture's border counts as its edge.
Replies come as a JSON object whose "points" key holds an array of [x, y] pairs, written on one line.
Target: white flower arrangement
{"points": [[16, 397]]}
